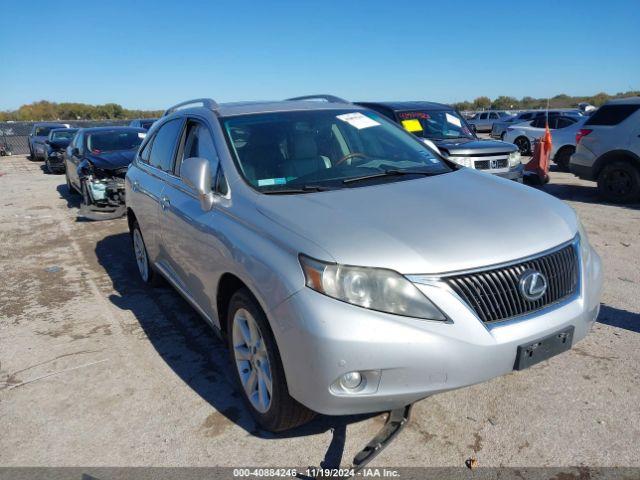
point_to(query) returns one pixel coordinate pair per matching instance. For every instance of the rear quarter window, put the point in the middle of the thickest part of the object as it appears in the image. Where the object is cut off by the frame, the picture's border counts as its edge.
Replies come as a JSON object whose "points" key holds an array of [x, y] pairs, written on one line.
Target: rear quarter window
{"points": [[612, 114]]}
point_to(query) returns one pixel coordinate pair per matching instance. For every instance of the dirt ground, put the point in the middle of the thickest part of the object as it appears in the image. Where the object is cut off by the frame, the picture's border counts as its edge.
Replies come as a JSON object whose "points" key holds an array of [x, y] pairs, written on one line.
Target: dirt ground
{"points": [[98, 370]]}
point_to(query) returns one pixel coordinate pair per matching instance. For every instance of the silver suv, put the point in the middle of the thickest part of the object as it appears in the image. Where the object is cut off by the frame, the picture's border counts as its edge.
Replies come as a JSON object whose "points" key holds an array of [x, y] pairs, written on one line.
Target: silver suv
{"points": [[350, 268], [608, 150]]}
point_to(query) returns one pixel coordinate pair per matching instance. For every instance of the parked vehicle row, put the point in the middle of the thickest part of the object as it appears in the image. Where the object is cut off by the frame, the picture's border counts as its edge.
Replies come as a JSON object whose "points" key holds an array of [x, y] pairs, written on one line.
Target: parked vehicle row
{"points": [[499, 129], [94, 161], [483, 121], [351, 267], [563, 130], [453, 136]]}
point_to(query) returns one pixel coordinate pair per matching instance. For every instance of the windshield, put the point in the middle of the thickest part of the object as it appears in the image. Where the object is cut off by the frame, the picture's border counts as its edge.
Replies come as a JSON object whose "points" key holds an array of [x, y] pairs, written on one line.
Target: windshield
{"points": [[43, 131], [324, 149], [436, 124], [110, 140], [146, 124], [66, 134]]}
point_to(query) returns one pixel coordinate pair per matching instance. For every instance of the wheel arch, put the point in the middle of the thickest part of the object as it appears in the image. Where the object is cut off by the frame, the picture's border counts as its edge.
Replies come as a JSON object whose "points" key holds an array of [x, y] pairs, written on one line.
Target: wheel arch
{"points": [[612, 155], [131, 218], [565, 147]]}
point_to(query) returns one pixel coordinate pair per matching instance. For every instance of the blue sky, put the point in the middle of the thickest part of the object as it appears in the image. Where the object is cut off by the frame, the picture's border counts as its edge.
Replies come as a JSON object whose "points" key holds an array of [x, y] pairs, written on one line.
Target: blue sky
{"points": [[152, 54]]}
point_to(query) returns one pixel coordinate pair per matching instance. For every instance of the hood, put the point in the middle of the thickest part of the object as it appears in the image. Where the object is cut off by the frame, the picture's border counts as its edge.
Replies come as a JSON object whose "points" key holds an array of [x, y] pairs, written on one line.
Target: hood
{"points": [[456, 221], [470, 146], [59, 144], [112, 160]]}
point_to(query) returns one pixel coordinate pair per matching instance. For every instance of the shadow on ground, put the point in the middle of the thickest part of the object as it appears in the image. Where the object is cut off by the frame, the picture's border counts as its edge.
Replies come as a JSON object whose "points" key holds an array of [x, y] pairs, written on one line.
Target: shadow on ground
{"points": [[617, 317], [73, 199], [580, 193], [189, 346]]}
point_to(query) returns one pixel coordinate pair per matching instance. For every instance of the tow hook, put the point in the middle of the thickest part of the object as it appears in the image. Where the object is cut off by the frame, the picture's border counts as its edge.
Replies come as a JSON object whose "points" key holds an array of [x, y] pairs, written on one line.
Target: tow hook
{"points": [[396, 421]]}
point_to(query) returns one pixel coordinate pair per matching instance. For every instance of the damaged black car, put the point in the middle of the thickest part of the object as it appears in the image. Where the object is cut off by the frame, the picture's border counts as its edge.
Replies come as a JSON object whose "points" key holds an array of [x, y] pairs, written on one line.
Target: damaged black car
{"points": [[58, 140], [96, 163]]}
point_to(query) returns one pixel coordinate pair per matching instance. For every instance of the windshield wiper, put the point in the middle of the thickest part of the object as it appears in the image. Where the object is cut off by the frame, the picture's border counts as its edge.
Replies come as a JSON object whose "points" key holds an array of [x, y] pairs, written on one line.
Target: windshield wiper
{"points": [[294, 190], [389, 173]]}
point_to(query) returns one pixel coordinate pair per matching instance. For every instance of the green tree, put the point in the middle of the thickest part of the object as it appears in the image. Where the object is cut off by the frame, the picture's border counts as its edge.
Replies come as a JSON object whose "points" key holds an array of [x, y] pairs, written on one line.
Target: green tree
{"points": [[505, 103], [482, 103]]}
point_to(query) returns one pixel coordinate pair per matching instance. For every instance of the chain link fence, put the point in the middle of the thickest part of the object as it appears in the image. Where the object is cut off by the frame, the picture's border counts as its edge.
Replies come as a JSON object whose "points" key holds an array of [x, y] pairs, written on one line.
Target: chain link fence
{"points": [[15, 135]]}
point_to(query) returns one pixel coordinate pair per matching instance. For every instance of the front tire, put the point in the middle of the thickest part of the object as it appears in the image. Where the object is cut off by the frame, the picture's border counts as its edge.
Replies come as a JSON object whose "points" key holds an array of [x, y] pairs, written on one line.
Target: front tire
{"points": [[258, 367], [619, 182]]}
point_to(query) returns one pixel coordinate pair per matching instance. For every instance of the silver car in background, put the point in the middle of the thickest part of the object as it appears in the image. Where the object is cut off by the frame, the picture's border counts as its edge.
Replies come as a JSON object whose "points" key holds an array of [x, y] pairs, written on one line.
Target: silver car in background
{"points": [[349, 267], [483, 121]]}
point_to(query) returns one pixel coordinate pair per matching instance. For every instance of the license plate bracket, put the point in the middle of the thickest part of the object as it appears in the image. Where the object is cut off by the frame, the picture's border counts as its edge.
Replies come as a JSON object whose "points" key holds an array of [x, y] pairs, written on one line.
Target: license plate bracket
{"points": [[544, 348]]}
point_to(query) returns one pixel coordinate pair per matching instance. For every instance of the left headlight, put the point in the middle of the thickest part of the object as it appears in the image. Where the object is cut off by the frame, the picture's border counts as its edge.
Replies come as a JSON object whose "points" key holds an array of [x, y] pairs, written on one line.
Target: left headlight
{"points": [[514, 159], [373, 288]]}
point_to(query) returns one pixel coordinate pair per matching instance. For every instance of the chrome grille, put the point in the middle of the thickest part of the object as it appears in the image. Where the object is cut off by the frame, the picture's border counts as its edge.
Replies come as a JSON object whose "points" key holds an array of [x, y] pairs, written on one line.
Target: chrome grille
{"points": [[491, 164], [495, 294]]}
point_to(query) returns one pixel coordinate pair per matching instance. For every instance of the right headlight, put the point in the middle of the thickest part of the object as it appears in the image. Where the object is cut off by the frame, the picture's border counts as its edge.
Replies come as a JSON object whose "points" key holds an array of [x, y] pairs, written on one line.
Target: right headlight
{"points": [[373, 288]]}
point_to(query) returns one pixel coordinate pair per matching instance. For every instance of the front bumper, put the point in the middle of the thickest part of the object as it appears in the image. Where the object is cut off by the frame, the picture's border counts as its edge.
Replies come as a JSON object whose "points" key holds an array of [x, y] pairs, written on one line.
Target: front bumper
{"points": [[582, 162], [407, 359], [514, 173], [56, 162]]}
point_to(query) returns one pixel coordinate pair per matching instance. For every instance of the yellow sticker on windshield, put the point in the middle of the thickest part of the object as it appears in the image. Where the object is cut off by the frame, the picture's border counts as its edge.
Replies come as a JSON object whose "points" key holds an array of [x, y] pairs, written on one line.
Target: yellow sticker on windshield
{"points": [[412, 125]]}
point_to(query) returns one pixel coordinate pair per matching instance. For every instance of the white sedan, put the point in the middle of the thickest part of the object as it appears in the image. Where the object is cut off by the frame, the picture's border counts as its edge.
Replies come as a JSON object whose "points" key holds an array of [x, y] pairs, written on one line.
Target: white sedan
{"points": [[563, 136]]}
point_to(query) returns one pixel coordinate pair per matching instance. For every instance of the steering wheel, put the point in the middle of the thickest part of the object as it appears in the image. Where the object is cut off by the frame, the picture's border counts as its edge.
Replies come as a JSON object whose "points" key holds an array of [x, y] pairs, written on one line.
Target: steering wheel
{"points": [[349, 156]]}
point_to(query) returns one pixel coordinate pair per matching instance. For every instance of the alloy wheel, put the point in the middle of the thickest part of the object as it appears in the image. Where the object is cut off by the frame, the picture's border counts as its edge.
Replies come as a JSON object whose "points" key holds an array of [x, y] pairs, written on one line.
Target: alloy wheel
{"points": [[141, 255], [252, 360]]}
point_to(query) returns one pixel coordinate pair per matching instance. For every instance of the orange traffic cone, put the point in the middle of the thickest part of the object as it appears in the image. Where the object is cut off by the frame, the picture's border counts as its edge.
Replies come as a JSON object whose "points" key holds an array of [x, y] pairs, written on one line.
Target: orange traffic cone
{"points": [[537, 170]]}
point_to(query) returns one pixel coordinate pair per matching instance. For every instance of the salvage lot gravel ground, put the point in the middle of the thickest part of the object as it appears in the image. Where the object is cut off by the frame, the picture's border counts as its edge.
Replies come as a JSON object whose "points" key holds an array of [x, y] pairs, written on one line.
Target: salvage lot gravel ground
{"points": [[97, 369]]}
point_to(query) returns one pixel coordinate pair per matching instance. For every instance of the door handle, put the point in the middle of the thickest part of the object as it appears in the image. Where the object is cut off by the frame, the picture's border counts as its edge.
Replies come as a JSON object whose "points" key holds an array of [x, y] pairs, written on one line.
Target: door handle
{"points": [[165, 202]]}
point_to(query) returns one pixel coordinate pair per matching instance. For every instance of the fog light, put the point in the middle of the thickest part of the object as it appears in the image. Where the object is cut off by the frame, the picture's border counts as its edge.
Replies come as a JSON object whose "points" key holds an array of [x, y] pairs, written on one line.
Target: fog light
{"points": [[351, 380]]}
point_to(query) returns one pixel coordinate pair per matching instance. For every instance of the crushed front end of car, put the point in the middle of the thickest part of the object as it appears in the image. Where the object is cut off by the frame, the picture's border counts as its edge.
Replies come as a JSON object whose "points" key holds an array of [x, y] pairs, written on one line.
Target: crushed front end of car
{"points": [[102, 191]]}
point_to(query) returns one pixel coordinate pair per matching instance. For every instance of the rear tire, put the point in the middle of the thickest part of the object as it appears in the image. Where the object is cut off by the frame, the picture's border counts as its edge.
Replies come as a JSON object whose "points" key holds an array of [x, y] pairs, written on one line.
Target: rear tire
{"points": [[563, 157], [147, 274], [256, 364], [523, 144], [619, 182]]}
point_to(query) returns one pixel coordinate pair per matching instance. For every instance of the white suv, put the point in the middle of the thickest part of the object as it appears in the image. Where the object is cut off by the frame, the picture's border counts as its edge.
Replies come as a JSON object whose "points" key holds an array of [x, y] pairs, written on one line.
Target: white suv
{"points": [[608, 150]]}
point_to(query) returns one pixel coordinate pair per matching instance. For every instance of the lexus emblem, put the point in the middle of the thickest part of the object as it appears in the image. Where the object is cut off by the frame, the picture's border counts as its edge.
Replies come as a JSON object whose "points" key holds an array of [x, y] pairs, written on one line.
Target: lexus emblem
{"points": [[533, 285]]}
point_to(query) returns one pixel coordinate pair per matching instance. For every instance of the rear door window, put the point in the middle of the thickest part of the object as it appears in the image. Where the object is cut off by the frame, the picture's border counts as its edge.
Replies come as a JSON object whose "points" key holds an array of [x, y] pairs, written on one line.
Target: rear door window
{"points": [[164, 145], [612, 114], [564, 122]]}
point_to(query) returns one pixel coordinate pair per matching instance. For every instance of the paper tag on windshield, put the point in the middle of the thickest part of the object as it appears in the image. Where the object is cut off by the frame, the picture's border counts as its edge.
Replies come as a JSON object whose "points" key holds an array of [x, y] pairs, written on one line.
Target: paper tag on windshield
{"points": [[141, 134], [358, 120], [453, 120]]}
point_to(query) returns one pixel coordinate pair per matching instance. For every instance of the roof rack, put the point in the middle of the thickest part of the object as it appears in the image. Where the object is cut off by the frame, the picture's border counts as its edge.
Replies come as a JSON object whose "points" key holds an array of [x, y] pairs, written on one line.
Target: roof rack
{"points": [[326, 98], [205, 102]]}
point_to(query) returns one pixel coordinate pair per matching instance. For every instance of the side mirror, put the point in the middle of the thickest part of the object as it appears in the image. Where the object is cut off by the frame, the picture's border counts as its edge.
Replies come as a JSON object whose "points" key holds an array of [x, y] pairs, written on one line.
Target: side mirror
{"points": [[47, 142], [75, 151], [196, 173], [474, 128]]}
